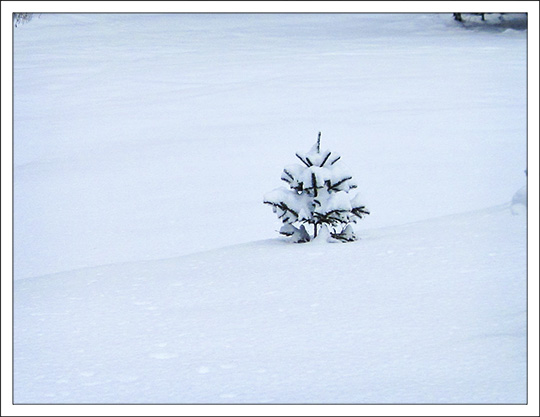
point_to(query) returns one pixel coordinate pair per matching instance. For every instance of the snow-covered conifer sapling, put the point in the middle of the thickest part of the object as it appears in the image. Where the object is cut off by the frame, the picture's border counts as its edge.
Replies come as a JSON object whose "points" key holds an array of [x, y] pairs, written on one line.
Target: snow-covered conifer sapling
{"points": [[319, 196]]}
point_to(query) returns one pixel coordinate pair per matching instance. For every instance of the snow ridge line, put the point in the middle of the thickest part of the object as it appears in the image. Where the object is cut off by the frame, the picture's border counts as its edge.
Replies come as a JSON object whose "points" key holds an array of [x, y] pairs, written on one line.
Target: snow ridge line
{"points": [[366, 234], [487, 210]]}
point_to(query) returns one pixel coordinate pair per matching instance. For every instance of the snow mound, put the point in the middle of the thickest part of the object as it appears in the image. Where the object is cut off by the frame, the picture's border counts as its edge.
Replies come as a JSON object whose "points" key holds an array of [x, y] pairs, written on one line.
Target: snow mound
{"points": [[519, 201], [429, 312]]}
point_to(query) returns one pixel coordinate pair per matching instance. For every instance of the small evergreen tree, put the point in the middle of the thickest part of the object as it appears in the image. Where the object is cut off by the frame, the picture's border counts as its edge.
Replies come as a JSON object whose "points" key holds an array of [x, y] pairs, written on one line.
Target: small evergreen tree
{"points": [[318, 195]]}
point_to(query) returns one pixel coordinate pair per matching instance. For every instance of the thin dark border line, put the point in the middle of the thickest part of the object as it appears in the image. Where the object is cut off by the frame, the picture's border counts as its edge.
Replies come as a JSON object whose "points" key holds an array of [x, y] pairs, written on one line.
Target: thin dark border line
{"points": [[247, 404], [267, 13]]}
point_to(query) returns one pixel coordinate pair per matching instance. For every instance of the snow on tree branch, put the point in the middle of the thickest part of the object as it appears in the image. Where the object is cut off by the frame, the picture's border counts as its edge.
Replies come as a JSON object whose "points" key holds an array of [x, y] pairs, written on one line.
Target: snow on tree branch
{"points": [[319, 195]]}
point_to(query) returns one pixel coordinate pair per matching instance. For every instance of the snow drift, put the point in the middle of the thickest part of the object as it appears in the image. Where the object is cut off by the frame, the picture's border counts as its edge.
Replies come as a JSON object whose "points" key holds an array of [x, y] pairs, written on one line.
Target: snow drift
{"points": [[428, 312], [144, 266]]}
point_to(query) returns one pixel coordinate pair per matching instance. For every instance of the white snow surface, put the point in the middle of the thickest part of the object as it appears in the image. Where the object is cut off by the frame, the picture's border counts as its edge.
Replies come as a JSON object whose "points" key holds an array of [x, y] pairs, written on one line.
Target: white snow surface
{"points": [[147, 269]]}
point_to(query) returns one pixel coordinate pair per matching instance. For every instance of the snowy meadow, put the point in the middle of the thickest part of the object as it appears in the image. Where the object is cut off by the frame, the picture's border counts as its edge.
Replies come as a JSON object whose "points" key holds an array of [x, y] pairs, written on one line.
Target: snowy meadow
{"points": [[148, 270]]}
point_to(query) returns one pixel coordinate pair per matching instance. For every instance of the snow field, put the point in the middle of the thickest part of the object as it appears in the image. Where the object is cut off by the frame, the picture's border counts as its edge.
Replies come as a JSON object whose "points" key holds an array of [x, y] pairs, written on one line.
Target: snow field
{"points": [[148, 270], [133, 130], [430, 312]]}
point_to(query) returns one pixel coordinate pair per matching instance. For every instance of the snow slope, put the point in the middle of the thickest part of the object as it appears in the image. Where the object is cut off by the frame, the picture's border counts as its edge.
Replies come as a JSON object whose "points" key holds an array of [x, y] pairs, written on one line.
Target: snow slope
{"points": [[147, 269], [149, 136], [428, 312]]}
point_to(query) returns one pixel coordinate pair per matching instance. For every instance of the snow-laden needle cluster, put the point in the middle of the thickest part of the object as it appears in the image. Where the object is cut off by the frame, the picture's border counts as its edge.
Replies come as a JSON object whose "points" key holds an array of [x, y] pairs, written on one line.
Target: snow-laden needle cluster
{"points": [[319, 195]]}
